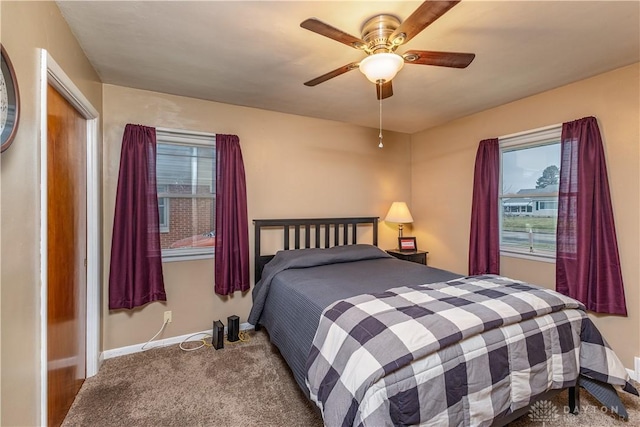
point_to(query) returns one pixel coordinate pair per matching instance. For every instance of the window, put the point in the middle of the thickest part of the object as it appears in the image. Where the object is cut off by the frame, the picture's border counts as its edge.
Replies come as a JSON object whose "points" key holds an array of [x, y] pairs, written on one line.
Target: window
{"points": [[186, 173], [529, 178]]}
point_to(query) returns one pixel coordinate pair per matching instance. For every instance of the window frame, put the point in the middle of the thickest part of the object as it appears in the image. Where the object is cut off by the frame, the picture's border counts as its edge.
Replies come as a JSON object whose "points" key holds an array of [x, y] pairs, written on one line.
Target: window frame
{"points": [[163, 220], [549, 135], [190, 139]]}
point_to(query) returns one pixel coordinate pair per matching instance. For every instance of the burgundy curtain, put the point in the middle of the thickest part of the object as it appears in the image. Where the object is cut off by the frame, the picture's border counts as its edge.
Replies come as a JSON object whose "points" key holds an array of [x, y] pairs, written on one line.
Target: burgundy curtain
{"points": [[484, 247], [232, 233], [135, 276], [587, 260]]}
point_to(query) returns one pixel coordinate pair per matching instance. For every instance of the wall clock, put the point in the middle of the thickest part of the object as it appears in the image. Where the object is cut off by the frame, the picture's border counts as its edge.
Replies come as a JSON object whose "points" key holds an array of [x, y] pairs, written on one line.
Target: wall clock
{"points": [[9, 102]]}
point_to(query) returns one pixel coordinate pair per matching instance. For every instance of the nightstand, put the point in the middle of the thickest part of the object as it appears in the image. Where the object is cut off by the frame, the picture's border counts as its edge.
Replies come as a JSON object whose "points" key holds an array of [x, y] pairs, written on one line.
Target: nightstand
{"points": [[414, 256]]}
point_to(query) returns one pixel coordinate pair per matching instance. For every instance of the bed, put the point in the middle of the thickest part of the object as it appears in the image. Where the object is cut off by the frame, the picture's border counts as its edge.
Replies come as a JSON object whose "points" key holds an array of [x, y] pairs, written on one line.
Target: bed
{"points": [[479, 367]]}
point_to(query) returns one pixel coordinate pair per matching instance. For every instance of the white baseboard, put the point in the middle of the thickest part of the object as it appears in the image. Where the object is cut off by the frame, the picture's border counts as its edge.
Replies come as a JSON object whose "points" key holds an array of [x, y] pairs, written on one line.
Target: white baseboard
{"points": [[137, 348], [635, 374]]}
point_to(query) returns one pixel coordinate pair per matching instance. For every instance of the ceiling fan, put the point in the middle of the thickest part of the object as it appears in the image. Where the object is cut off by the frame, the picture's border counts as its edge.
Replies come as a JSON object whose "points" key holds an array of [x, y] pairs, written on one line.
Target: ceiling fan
{"points": [[381, 36]]}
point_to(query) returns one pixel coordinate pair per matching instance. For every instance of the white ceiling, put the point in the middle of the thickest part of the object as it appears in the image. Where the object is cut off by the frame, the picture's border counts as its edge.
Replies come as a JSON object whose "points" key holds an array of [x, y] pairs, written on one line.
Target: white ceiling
{"points": [[254, 53]]}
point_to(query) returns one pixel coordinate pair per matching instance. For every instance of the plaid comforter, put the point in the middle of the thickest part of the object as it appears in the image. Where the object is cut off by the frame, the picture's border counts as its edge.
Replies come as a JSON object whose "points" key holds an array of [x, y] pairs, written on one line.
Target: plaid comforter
{"points": [[464, 352]]}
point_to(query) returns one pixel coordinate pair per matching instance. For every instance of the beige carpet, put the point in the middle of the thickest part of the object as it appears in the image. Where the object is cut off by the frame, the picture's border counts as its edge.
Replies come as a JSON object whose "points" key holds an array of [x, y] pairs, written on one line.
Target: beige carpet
{"points": [[245, 384]]}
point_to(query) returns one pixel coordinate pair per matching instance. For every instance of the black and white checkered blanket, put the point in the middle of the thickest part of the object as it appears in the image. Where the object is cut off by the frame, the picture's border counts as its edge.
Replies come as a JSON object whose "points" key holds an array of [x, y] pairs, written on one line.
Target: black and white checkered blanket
{"points": [[464, 352]]}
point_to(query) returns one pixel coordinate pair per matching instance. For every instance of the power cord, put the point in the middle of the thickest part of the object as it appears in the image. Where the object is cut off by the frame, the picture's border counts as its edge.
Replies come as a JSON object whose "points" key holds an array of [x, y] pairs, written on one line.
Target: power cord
{"points": [[153, 337], [243, 336], [203, 340], [206, 340]]}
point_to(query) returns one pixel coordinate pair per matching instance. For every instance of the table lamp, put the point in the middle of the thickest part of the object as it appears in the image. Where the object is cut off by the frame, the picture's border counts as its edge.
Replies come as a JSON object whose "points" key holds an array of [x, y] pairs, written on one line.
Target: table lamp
{"points": [[399, 213]]}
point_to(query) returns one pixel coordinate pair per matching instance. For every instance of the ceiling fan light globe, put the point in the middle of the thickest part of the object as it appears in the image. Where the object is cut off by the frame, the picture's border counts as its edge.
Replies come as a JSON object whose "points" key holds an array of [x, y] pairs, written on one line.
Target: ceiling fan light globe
{"points": [[381, 67]]}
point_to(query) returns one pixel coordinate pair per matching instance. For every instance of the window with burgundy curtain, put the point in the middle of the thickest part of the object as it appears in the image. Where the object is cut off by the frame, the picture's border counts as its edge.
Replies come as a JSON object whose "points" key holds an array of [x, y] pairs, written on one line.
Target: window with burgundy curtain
{"points": [[587, 259], [232, 233], [135, 276], [484, 248]]}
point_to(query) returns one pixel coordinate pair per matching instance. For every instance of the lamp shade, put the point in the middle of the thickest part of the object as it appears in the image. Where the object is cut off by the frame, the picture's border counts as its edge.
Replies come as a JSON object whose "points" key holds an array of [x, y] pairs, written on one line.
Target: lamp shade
{"points": [[399, 213], [381, 66]]}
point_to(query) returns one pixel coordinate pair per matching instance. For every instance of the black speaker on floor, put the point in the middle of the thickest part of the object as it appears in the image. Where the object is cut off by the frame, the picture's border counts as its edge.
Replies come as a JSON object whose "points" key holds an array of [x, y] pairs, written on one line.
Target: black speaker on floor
{"points": [[233, 328], [217, 337]]}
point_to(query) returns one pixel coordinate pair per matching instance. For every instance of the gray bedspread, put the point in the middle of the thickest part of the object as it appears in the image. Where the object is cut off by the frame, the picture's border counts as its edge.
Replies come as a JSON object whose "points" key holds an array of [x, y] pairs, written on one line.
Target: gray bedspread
{"points": [[428, 354], [297, 286]]}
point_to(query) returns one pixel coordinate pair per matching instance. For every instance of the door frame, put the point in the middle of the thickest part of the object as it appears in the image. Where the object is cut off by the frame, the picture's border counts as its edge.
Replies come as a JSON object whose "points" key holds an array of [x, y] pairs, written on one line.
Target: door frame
{"points": [[52, 73]]}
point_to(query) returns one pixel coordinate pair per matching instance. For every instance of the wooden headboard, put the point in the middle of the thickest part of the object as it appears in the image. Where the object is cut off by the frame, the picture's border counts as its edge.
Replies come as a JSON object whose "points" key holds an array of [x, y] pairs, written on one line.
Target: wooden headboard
{"points": [[344, 231]]}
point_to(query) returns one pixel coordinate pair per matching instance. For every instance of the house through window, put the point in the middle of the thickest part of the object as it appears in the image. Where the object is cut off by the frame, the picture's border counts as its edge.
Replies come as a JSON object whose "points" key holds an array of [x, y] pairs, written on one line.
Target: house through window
{"points": [[529, 177], [186, 173]]}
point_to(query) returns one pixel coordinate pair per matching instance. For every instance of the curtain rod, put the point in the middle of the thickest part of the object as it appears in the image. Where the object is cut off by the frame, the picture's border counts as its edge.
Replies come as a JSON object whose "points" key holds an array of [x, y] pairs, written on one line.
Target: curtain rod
{"points": [[524, 132]]}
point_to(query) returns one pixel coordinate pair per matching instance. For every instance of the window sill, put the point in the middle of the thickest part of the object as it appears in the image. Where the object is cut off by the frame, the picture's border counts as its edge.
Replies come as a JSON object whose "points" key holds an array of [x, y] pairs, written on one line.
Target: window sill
{"points": [[529, 256], [193, 257]]}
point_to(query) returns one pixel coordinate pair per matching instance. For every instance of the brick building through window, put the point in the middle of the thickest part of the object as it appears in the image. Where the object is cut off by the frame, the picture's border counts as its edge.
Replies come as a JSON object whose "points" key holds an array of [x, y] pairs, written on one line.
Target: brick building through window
{"points": [[185, 174]]}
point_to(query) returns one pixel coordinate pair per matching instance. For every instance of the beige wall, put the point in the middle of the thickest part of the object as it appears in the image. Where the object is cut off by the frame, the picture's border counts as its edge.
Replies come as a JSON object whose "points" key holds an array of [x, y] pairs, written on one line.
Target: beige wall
{"points": [[295, 167], [26, 27], [338, 170], [442, 179]]}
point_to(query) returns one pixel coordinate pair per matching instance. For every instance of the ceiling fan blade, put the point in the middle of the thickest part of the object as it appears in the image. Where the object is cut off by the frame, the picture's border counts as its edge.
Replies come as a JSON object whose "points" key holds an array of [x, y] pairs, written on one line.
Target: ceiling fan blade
{"points": [[441, 59], [332, 74], [317, 26], [387, 90], [420, 19]]}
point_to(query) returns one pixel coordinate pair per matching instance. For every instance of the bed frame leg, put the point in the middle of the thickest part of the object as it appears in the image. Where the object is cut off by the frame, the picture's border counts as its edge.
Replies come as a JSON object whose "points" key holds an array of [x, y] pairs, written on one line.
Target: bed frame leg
{"points": [[257, 327], [574, 399]]}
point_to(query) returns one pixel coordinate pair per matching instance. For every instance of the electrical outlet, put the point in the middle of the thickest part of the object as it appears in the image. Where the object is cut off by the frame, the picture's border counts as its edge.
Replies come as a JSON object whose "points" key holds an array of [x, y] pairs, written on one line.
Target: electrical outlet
{"points": [[167, 317]]}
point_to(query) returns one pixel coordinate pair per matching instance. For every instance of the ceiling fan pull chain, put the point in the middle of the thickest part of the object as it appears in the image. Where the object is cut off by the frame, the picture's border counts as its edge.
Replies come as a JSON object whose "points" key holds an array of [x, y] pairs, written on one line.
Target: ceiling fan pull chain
{"points": [[380, 145]]}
